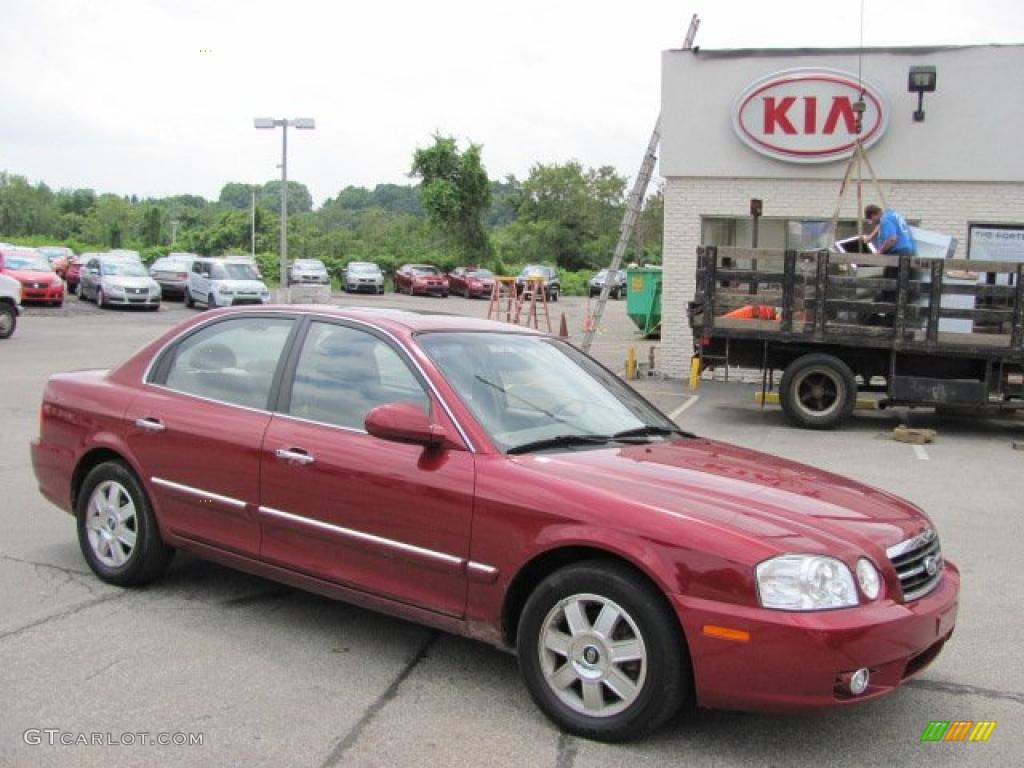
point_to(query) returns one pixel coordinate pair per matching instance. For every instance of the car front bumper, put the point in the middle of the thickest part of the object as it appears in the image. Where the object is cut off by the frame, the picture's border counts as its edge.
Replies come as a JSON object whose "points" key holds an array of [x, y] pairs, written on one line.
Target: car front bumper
{"points": [[30, 293], [131, 299], [355, 286], [798, 662]]}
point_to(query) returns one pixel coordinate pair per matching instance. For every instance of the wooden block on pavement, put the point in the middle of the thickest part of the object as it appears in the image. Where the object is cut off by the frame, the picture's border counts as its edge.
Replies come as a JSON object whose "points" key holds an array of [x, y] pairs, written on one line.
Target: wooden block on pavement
{"points": [[905, 434]]}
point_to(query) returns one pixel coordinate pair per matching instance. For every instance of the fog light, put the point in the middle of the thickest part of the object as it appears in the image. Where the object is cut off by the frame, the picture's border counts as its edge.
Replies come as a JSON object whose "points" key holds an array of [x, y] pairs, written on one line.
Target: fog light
{"points": [[859, 681]]}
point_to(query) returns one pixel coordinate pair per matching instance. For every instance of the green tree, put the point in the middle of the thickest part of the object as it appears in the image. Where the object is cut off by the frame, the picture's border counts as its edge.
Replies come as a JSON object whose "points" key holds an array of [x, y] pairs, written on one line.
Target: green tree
{"points": [[151, 221], [455, 193], [569, 214], [299, 199], [235, 195]]}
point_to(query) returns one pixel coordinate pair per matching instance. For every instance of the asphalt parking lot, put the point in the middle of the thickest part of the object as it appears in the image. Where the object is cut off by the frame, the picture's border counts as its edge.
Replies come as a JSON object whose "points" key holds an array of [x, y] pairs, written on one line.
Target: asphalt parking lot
{"points": [[273, 676]]}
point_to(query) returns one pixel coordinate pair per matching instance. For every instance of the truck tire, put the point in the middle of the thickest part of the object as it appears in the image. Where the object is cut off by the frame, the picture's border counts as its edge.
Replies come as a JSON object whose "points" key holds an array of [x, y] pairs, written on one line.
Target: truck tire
{"points": [[8, 320], [818, 392]]}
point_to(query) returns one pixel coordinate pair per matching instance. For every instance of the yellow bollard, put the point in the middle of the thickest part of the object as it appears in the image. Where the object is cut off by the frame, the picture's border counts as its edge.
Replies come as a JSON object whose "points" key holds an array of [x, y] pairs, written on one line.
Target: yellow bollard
{"points": [[631, 363], [694, 374]]}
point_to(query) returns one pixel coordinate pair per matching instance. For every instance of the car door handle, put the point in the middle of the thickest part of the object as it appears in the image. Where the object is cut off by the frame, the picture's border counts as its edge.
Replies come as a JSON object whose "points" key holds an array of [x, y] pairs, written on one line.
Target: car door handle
{"points": [[297, 455], [150, 423]]}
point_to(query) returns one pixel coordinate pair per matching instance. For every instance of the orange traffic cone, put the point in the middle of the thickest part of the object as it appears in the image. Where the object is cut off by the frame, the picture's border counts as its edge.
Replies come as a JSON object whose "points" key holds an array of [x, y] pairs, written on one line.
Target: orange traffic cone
{"points": [[563, 328]]}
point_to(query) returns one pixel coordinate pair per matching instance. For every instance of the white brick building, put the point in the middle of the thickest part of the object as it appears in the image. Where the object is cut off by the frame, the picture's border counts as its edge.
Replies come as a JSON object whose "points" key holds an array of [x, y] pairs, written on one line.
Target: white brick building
{"points": [[959, 171]]}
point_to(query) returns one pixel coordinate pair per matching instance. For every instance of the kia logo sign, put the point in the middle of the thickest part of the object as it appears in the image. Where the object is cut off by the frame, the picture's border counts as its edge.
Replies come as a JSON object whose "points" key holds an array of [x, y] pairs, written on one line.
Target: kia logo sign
{"points": [[807, 115]]}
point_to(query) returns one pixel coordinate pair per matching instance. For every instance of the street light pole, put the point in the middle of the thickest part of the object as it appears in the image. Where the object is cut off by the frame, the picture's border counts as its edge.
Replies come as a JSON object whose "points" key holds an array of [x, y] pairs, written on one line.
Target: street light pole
{"points": [[306, 123], [284, 213]]}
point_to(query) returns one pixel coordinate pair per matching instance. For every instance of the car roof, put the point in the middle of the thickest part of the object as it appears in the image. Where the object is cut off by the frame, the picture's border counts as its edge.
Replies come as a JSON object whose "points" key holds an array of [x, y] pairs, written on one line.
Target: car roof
{"points": [[412, 321]]}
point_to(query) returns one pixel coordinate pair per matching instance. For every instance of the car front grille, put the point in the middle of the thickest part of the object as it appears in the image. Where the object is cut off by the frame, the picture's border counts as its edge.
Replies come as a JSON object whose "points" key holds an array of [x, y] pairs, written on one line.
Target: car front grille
{"points": [[918, 563]]}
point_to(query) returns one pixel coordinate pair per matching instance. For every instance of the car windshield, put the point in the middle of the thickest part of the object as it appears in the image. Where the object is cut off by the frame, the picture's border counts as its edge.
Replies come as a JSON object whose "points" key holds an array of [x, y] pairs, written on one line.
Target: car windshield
{"points": [[367, 268], [535, 270], [123, 269], [483, 274], [54, 253], [425, 271], [233, 271], [28, 261], [601, 275], [309, 264], [533, 392]]}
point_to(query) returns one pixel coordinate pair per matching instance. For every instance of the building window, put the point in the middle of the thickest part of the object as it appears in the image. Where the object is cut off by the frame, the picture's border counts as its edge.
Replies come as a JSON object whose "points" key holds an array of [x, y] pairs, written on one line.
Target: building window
{"points": [[783, 234]]}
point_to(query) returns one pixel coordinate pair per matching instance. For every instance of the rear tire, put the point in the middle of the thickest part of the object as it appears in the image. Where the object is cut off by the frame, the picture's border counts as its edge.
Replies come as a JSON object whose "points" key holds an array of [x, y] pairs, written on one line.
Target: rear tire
{"points": [[601, 653], [117, 531], [818, 392]]}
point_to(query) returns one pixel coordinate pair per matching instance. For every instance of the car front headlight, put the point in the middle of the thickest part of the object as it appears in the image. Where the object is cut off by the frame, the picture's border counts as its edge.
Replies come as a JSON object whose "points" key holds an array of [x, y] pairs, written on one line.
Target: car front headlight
{"points": [[868, 579], [805, 583], [225, 290], [113, 288]]}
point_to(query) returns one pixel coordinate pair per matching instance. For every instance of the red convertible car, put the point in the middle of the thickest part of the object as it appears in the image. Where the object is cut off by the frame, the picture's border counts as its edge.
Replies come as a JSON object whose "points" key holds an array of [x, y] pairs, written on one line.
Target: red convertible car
{"points": [[498, 483]]}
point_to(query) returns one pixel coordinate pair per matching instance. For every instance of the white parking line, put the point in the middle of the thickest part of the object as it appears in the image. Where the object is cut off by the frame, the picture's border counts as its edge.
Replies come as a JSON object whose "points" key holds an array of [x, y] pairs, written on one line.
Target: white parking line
{"points": [[678, 411], [922, 454]]}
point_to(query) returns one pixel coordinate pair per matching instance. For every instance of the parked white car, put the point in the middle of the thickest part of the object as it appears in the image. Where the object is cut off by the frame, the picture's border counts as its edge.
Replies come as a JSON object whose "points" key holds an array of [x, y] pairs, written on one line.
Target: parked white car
{"points": [[224, 283], [10, 305]]}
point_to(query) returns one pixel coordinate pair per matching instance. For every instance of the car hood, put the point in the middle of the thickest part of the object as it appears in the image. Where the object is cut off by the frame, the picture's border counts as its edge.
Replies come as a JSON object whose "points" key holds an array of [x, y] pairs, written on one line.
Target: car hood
{"points": [[250, 286], [781, 504], [123, 281], [31, 275]]}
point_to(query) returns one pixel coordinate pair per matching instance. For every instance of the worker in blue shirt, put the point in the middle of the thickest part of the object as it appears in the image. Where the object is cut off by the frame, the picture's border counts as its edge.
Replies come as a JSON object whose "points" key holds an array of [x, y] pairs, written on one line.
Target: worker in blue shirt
{"points": [[891, 233]]}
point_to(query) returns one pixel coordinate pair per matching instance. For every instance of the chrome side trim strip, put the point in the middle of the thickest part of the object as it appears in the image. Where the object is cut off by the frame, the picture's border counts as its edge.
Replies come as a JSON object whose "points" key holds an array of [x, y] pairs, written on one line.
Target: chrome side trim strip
{"points": [[199, 493], [485, 574], [363, 536]]}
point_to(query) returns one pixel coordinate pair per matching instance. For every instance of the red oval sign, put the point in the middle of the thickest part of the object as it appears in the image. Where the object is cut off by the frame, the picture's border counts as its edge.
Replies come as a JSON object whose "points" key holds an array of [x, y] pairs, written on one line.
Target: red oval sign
{"points": [[808, 115]]}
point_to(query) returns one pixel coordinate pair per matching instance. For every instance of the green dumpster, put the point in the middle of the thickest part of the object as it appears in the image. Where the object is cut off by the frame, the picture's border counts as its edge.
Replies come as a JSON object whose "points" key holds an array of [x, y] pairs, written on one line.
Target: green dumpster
{"points": [[643, 299]]}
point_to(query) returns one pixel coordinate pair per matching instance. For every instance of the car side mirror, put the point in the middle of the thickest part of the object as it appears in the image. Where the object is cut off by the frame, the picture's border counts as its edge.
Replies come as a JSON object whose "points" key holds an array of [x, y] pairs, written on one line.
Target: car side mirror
{"points": [[405, 422]]}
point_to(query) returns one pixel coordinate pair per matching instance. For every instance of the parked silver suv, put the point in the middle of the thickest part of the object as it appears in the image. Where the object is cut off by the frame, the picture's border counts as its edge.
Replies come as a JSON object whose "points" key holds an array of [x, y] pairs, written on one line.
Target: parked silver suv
{"points": [[224, 283]]}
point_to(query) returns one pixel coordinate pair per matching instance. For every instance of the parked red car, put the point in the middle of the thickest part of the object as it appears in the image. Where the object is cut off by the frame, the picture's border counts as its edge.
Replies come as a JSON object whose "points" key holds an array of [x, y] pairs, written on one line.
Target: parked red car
{"points": [[421, 278], [60, 257], [471, 281], [498, 483], [39, 282]]}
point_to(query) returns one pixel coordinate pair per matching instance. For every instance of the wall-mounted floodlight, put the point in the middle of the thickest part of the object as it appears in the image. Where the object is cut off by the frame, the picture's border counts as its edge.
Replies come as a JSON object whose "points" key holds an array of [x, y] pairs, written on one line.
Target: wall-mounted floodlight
{"points": [[921, 81]]}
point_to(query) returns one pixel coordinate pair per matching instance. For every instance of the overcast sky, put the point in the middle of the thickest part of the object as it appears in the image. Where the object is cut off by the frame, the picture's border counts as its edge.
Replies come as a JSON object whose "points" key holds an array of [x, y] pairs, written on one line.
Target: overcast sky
{"points": [[157, 97]]}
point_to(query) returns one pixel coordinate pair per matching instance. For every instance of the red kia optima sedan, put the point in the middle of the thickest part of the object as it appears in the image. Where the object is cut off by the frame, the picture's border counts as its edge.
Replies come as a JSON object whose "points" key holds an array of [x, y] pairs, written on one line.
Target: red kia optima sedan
{"points": [[498, 483]]}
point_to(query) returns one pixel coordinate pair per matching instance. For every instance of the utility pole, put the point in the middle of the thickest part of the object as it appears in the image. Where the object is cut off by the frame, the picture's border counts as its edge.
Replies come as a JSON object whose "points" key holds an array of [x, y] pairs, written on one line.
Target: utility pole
{"points": [[253, 225], [634, 206]]}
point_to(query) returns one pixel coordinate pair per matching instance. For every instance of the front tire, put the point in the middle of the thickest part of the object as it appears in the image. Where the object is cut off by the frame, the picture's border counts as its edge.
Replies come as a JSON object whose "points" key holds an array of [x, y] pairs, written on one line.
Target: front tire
{"points": [[99, 299], [601, 653], [818, 392], [189, 301], [117, 531], [8, 320]]}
